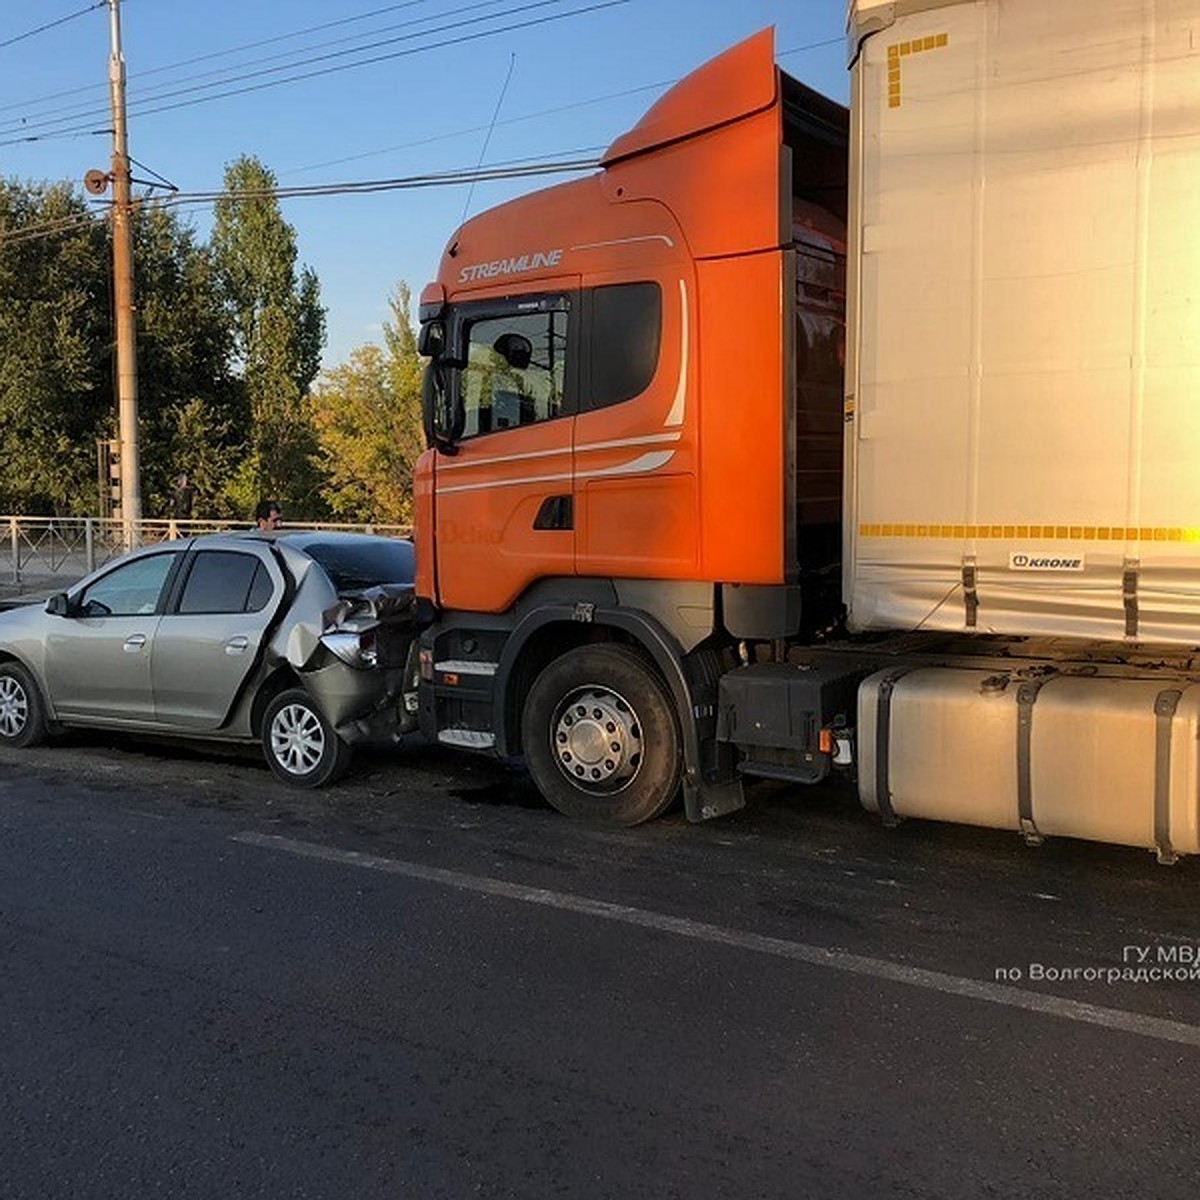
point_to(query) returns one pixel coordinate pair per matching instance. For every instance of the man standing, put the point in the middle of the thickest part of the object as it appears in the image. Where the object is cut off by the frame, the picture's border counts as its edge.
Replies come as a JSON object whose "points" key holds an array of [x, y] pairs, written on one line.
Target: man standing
{"points": [[268, 515], [182, 499]]}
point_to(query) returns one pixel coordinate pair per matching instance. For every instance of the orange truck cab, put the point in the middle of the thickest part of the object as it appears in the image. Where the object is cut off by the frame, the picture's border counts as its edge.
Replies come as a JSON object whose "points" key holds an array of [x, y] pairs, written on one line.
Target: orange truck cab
{"points": [[634, 408]]}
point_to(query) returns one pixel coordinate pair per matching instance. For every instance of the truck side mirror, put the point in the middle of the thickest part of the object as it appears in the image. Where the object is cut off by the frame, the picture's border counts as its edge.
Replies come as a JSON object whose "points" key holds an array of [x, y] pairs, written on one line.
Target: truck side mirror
{"points": [[431, 340], [442, 430]]}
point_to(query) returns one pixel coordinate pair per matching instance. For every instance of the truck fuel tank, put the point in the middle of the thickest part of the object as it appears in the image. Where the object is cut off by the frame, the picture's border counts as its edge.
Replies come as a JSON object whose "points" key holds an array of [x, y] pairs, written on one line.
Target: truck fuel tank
{"points": [[1083, 755]]}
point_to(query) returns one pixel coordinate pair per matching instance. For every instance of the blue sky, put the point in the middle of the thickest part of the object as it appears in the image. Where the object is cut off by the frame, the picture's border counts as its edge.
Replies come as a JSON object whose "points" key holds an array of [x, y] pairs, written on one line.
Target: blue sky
{"points": [[575, 81]]}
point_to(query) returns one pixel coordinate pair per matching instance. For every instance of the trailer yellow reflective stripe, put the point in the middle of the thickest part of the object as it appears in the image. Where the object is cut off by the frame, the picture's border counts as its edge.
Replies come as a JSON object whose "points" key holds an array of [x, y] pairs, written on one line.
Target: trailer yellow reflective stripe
{"points": [[899, 50], [1069, 533]]}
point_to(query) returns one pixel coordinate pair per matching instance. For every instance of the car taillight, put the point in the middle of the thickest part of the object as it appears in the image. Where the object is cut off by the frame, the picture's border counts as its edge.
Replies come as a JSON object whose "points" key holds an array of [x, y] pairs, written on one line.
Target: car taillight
{"points": [[357, 649]]}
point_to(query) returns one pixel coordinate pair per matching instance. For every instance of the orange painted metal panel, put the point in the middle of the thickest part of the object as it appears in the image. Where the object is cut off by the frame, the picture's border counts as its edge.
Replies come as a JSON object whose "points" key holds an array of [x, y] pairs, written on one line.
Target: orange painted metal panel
{"points": [[740, 81], [742, 419], [423, 525], [488, 497]]}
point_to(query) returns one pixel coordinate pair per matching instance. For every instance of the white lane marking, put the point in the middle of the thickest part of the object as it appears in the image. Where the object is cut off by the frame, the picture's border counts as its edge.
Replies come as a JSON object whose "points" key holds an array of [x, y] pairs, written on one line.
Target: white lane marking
{"points": [[837, 960]]}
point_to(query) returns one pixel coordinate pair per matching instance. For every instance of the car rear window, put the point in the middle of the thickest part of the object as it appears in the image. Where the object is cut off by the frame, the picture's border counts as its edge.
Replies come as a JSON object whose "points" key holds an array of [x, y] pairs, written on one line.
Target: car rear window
{"points": [[352, 566]]}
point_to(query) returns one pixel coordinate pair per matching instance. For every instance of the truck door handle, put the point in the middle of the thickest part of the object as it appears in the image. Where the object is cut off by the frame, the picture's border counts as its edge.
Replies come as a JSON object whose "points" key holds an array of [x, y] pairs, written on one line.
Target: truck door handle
{"points": [[236, 645], [556, 512], [134, 643]]}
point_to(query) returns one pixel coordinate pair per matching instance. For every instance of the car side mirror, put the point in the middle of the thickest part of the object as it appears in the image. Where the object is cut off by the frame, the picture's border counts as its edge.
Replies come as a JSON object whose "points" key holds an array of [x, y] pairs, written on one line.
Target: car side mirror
{"points": [[58, 605]]}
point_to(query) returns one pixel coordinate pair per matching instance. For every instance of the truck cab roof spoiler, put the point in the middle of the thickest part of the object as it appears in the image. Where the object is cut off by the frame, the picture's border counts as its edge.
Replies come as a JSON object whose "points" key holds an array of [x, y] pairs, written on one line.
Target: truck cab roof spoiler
{"points": [[741, 81]]}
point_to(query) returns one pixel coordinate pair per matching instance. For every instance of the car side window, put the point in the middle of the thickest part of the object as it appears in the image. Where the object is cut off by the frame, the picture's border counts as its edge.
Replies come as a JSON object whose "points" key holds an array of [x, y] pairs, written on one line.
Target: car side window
{"points": [[225, 581], [132, 589]]}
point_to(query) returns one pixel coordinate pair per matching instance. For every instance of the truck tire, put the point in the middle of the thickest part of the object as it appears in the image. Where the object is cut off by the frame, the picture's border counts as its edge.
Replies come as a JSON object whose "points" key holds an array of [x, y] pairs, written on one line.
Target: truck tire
{"points": [[300, 744], [600, 737], [22, 713]]}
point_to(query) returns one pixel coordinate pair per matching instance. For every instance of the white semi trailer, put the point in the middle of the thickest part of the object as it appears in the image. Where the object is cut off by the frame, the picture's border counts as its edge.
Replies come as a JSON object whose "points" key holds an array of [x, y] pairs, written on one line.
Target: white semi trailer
{"points": [[1023, 409]]}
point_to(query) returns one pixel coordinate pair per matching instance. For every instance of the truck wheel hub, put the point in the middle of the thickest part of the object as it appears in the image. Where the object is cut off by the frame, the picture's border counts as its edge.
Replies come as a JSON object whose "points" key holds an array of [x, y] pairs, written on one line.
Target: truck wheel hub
{"points": [[597, 739]]}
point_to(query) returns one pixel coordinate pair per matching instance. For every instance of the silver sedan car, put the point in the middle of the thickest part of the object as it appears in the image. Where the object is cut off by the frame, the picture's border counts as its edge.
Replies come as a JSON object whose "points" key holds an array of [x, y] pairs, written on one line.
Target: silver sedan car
{"points": [[298, 641]]}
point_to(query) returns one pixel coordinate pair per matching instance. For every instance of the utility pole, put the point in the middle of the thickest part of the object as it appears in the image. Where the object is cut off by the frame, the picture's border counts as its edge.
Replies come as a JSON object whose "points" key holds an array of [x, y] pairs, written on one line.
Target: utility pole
{"points": [[126, 325]]}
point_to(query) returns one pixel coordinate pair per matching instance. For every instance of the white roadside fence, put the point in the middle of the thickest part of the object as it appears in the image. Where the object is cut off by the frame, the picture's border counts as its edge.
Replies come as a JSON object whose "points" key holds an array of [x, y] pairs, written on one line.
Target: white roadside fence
{"points": [[67, 548]]}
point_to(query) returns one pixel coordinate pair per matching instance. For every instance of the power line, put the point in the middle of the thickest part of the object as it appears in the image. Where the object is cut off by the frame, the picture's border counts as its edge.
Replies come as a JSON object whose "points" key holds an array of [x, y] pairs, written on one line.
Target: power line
{"points": [[20, 37], [74, 111], [46, 137], [512, 62], [533, 116], [834, 41], [354, 37], [213, 54], [440, 137], [445, 137], [516, 169], [520, 168], [31, 233], [455, 41], [283, 37], [141, 109], [233, 50]]}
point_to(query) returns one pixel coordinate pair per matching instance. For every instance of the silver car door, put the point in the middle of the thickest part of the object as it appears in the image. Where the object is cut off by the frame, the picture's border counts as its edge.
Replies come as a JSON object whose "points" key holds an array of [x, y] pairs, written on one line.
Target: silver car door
{"points": [[98, 658], [210, 641]]}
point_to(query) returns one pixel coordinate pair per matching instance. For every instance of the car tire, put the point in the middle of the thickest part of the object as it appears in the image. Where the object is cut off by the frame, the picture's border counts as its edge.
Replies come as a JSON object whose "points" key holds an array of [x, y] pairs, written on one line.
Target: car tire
{"points": [[600, 737], [300, 744], [22, 713]]}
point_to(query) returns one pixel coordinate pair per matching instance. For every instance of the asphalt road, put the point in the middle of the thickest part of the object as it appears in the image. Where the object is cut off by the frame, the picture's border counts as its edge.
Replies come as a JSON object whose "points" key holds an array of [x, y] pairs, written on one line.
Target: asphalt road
{"points": [[423, 983]]}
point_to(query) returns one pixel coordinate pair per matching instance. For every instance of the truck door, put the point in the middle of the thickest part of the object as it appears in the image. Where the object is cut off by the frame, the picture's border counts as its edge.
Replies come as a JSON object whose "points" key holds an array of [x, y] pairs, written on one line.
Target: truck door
{"points": [[503, 487]]}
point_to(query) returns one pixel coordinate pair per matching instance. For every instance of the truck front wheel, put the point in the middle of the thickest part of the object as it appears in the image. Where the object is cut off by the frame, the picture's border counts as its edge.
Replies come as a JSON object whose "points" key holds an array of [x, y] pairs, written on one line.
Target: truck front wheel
{"points": [[600, 737]]}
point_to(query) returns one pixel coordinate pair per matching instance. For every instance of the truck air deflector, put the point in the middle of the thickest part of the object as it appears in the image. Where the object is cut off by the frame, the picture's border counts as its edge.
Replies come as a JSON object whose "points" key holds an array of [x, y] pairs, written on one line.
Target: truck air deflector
{"points": [[737, 83]]}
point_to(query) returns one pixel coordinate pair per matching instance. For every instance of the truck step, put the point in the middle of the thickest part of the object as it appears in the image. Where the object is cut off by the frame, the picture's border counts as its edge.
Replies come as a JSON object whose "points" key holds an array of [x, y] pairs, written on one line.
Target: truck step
{"points": [[456, 666], [467, 739]]}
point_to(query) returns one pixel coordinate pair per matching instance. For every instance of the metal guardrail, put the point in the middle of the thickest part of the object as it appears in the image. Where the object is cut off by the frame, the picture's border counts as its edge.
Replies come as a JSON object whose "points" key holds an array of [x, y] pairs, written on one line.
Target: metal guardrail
{"points": [[71, 547]]}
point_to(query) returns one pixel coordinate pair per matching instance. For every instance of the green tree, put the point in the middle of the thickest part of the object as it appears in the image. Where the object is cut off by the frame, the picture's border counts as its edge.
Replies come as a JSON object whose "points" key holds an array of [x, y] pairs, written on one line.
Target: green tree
{"points": [[56, 355], [367, 418], [55, 349], [278, 331], [192, 412]]}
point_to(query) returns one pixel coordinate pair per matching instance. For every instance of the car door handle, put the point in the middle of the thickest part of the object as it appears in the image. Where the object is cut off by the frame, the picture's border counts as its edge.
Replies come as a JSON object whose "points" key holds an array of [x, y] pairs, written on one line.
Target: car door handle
{"points": [[237, 645], [134, 643]]}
